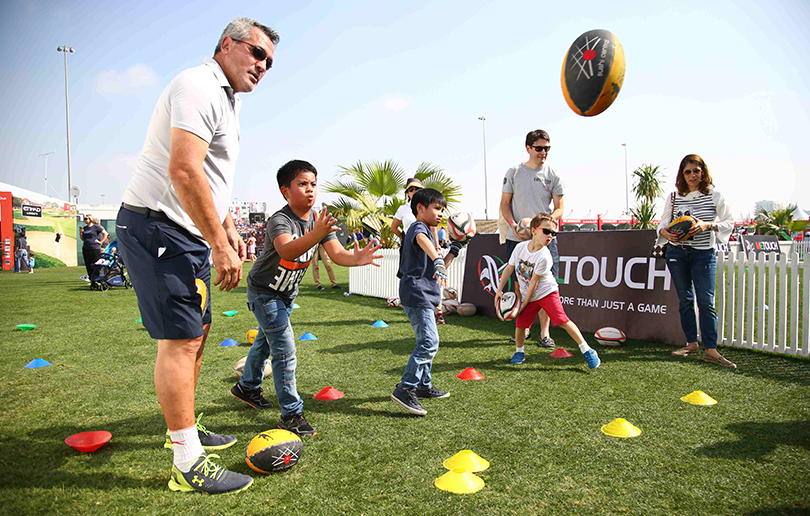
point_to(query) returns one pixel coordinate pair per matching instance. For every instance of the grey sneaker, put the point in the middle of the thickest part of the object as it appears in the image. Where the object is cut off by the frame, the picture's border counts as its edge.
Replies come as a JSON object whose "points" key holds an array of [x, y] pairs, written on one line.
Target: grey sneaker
{"points": [[207, 477], [547, 342]]}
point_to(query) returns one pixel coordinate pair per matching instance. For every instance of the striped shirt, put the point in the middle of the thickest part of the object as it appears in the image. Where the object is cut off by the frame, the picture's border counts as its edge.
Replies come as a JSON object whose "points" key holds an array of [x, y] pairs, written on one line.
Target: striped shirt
{"points": [[709, 207]]}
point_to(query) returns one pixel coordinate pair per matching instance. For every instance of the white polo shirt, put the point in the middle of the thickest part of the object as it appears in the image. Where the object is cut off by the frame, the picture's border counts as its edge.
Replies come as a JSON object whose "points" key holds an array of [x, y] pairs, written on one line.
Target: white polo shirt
{"points": [[201, 101]]}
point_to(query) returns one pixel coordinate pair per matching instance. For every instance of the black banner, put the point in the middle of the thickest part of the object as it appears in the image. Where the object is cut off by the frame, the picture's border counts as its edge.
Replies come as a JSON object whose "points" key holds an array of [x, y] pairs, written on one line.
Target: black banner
{"points": [[31, 210], [607, 278], [760, 244]]}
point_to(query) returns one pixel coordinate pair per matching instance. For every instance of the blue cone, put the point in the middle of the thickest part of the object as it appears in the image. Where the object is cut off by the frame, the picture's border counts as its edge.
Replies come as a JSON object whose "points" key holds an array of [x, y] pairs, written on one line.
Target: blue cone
{"points": [[37, 362], [295, 305], [229, 342], [307, 336], [380, 324]]}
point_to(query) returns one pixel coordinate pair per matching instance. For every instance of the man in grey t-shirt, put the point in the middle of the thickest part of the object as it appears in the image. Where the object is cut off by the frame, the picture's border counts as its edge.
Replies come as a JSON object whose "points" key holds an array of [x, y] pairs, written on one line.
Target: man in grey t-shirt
{"points": [[528, 189]]}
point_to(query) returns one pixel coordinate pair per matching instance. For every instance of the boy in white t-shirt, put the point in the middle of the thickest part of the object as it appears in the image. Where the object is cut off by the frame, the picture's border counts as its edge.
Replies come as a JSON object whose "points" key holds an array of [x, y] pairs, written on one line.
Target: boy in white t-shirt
{"points": [[538, 289]]}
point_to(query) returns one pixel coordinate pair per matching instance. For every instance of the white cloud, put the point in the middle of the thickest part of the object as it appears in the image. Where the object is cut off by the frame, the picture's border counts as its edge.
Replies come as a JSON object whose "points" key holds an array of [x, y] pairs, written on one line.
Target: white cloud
{"points": [[396, 104], [128, 82]]}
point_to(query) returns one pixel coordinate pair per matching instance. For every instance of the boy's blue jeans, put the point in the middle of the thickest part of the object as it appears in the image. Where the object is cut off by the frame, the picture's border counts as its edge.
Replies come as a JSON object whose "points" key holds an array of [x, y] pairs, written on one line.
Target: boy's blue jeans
{"points": [[417, 372], [695, 268], [275, 338]]}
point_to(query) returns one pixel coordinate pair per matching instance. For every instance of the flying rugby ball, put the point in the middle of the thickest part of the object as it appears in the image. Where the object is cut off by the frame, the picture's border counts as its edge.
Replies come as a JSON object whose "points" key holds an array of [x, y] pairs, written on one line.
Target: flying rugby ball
{"points": [[461, 227], [274, 450], [680, 227], [239, 368], [593, 72], [508, 306], [466, 309], [610, 336], [450, 306], [524, 229], [251, 335]]}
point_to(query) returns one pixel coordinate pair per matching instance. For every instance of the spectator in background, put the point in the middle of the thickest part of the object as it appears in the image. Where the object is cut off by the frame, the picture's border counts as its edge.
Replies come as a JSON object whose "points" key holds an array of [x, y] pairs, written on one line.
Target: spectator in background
{"points": [[326, 263], [20, 250], [93, 235], [251, 248], [443, 238], [31, 262], [359, 237]]}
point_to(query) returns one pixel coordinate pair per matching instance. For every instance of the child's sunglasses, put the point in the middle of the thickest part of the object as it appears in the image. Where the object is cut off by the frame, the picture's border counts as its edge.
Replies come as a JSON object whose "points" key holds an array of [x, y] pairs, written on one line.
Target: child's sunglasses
{"points": [[549, 232]]}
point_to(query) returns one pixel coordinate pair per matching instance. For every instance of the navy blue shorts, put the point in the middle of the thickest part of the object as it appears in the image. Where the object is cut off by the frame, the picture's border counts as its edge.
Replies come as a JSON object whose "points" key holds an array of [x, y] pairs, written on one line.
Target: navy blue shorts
{"points": [[171, 273]]}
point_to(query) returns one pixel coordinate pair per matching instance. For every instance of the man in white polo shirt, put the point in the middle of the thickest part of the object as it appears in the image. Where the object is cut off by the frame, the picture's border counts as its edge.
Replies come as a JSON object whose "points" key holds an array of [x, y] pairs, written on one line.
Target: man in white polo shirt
{"points": [[174, 217], [528, 189]]}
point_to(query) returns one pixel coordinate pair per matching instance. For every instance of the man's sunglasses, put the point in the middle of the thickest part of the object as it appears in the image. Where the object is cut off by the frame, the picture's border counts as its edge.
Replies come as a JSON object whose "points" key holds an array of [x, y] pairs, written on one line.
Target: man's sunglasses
{"points": [[549, 232], [540, 148], [258, 53]]}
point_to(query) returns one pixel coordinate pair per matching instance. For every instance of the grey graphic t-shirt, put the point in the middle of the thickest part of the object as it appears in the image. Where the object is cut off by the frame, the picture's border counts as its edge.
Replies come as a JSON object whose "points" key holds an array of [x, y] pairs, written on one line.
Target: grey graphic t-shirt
{"points": [[272, 274]]}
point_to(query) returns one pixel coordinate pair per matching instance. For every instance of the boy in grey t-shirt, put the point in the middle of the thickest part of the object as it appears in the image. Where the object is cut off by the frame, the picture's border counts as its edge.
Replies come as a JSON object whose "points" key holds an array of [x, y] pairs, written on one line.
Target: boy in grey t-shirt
{"points": [[293, 234]]}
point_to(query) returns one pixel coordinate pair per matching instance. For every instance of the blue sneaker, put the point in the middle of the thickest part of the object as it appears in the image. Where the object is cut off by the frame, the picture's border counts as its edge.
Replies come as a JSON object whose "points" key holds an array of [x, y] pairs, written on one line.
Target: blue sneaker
{"points": [[592, 358], [518, 358]]}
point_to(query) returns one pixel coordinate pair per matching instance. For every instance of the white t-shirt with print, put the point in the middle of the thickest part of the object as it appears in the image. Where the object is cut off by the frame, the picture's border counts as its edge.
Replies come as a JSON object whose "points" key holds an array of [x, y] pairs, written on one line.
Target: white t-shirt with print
{"points": [[528, 264]]}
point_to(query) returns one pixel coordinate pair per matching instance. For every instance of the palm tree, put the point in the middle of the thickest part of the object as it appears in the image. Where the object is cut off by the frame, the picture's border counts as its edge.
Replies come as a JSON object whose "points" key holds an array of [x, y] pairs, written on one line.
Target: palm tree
{"points": [[777, 221], [647, 187], [372, 192]]}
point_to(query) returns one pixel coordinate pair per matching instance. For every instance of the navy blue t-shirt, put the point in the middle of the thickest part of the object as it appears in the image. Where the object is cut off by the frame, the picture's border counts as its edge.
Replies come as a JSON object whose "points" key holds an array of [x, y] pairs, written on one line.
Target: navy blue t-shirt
{"points": [[417, 286]]}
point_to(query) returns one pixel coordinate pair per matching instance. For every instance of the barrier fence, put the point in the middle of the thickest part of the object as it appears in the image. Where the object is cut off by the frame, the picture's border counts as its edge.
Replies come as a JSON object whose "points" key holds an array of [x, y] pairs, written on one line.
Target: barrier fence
{"points": [[763, 302]]}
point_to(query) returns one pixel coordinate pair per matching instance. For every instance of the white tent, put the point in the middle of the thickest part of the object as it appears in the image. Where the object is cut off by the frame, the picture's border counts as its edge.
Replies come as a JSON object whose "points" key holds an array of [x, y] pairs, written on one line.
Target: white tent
{"points": [[799, 214]]}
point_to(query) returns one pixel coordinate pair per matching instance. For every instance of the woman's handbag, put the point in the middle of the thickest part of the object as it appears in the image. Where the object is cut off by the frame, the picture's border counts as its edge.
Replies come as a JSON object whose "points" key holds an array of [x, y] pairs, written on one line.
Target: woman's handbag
{"points": [[659, 249]]}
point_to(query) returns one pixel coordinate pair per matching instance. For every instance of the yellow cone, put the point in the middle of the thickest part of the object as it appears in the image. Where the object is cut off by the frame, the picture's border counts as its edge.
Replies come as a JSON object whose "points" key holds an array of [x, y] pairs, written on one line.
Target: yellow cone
{"points": [[699, 398], [459, 481], [466, 459], [621, 428]]}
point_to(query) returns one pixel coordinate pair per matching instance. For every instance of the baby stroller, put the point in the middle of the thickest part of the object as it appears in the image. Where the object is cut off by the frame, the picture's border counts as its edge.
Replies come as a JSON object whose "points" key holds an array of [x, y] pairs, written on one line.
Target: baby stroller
{"points": [[109, 271]]}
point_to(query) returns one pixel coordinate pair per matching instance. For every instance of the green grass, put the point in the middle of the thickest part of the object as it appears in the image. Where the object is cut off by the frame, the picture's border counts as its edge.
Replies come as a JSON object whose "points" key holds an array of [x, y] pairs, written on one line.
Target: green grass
{"points": [[46, 261], [538, 424]]}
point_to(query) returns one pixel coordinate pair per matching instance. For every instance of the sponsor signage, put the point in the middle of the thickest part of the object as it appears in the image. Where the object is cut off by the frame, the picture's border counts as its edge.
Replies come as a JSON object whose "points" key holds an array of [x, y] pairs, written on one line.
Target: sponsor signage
{"points": [[607, 278], [760, 244], [31, 210]]}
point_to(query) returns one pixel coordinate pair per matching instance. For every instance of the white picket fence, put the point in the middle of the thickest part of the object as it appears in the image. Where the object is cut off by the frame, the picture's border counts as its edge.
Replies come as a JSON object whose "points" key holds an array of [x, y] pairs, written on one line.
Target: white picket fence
{"points": [[764, 302], [382, 281]]}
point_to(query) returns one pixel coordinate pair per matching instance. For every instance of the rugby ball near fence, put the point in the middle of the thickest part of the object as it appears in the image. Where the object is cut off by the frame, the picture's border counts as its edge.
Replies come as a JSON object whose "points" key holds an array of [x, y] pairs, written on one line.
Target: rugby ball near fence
{"points": [[593, 72], [610, 336]]}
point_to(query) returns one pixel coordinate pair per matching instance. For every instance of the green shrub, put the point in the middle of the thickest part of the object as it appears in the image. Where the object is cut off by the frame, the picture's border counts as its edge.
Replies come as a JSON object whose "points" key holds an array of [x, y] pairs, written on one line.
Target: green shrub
{"points": [[45, 261], [48, 229]]}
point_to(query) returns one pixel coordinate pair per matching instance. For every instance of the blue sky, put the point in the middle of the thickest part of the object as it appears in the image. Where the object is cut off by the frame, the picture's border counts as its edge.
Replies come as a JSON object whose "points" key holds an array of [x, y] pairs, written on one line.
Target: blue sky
{"points": [[363, 80]]}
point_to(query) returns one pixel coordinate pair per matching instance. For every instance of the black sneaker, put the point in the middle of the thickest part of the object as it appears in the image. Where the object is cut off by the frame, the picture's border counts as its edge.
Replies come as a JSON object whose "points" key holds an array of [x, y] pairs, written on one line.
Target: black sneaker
{"points": [[319, 287], [547, 342], [209, 440], [528, 337], [337, 287], [296, 424], [433, 392], [406, 398], [253, 397]]}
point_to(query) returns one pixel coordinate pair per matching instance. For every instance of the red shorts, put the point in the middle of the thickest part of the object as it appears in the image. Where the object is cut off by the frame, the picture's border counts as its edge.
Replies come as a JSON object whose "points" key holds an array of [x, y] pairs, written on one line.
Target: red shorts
{"points": [[551, 304]]}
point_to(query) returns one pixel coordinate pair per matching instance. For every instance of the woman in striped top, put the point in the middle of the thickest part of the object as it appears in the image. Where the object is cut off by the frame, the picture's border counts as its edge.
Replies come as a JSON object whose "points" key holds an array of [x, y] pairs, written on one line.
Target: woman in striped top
{"points": [[692, 262]]}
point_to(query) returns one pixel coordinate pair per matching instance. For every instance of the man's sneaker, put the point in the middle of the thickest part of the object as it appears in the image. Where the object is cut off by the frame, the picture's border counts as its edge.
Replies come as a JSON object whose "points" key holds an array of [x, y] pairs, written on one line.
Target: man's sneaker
{"points": [[337, 287], [210, 441], [296, 424], [518, 358], [406, 398], [593, 358], [319, 287], [439, 318], [528, 337], [547, 342], [207, 477], [433, 392], [253, 397]]}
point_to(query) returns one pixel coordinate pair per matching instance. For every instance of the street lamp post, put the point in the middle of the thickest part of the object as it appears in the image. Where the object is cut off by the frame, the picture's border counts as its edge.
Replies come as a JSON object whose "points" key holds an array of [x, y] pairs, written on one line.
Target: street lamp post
{"points": [[486, 199], [47, 155], [66, 50], [626, 183]]}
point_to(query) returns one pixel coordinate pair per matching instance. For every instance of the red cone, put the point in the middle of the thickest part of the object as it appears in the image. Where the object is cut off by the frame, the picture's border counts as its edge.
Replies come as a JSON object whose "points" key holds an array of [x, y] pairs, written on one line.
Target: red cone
{"points": [[561, 353], [470, 374], [328, 393]]}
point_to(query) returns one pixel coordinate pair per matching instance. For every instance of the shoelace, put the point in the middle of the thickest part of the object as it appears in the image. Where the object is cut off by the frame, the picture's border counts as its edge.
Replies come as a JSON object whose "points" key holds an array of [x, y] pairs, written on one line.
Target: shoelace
{"points": [[200, 426], [208, 468]]}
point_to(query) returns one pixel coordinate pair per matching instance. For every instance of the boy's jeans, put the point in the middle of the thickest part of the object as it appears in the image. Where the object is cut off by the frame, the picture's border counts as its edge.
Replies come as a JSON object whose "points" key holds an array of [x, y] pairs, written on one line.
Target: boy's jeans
{"points": [[275, 338], [417, 372]]}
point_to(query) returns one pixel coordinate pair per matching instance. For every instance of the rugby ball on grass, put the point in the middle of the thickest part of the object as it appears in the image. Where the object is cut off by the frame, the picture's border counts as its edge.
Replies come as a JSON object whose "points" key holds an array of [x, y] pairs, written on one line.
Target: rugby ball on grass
{"points": [[524, 229], [450, 306], [239, 368], [593, 72], [680, 227], [508, 306], [610, 336], [461, 227], [274, 450], [466, 309]]}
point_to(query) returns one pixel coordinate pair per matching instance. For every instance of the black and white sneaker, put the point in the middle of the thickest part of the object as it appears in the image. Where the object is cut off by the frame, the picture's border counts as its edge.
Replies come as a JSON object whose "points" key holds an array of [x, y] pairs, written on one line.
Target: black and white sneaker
{"points": [[546, 342], [296, 424], [528, 337], [432, 392], [253, 397], [406, 398]]}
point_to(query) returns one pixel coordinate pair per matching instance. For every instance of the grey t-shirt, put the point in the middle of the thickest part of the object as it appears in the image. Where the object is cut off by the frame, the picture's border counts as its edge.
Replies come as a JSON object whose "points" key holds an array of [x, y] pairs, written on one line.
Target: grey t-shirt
{"points": [[532, 191], [273, 275]]}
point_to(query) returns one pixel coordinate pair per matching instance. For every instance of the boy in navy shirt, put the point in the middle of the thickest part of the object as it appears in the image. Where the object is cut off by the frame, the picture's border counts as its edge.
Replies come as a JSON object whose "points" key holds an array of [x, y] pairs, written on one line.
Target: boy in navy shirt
{"points": [[293, 235], [422, 273]]}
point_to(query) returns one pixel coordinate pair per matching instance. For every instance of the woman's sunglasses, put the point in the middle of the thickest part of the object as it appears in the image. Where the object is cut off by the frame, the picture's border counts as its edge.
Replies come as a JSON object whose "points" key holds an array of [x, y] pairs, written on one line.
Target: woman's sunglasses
{"points": [[258, 53]]}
